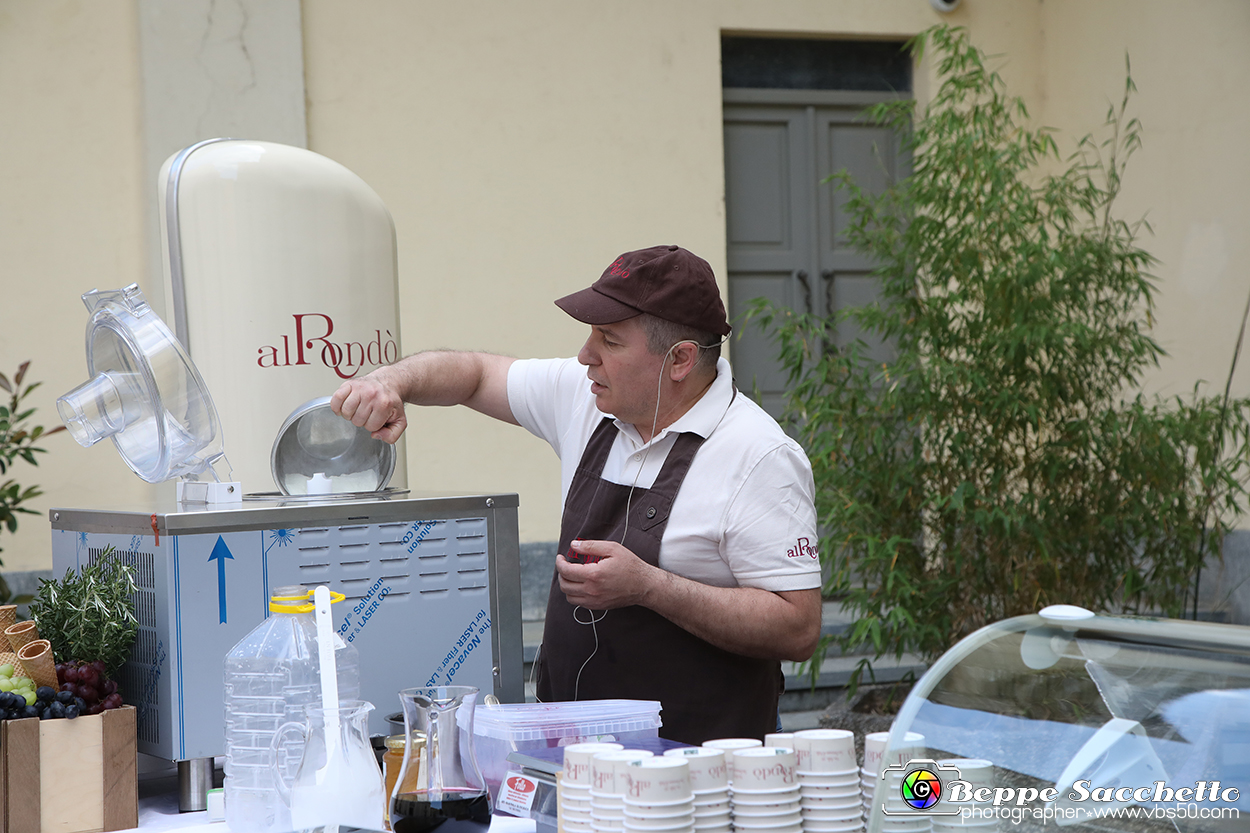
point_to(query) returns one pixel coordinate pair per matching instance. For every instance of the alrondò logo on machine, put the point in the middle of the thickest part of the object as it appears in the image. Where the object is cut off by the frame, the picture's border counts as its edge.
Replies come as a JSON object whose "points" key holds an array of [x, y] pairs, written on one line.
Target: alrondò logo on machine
{"points": [[313, 340], [932, 788]]}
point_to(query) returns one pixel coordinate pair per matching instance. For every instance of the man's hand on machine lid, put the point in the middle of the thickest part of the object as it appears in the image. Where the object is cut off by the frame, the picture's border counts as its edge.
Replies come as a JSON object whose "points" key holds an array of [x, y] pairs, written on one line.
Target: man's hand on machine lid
{"points": [[371, 404], [612, 576]]}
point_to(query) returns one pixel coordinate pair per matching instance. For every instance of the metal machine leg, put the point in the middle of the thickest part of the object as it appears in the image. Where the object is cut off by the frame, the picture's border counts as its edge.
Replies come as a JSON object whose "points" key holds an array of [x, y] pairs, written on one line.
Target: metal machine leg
{"points": [[195, 779]]}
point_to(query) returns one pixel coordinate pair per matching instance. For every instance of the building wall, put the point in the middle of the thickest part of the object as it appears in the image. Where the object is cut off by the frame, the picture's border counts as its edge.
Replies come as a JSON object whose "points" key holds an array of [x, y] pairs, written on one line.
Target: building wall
{"points": [[521, 147], [1189, 181], [71, 219]]}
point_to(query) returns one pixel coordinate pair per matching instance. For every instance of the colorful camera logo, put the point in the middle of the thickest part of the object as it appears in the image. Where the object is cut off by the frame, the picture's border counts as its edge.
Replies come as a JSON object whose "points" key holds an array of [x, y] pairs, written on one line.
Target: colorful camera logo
{"points": [[921, 789], [917, 787]]}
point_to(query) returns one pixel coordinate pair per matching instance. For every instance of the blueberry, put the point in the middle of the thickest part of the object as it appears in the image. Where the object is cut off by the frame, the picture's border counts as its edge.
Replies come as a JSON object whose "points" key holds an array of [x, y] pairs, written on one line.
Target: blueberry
{"points": [[45, 713], [45, 692], [13, 701], [65, 697], [71, 711], [57, 708], [29, 711]]}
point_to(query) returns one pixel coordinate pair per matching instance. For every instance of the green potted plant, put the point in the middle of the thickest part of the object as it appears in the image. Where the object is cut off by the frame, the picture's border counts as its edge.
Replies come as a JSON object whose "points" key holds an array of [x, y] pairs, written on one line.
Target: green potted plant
{"points": [[999, 460], [17, 443]]}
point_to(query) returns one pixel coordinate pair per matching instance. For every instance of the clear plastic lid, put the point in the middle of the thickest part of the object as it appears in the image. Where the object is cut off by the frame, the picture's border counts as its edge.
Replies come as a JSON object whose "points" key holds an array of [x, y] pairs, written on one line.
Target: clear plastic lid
{"points": [[144, 393], [582, 718], [1087, 723]]}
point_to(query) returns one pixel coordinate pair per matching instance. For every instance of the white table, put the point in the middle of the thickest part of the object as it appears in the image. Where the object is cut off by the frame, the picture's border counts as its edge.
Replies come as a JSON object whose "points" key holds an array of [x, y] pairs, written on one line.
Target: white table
{"points": [[158, 807]]}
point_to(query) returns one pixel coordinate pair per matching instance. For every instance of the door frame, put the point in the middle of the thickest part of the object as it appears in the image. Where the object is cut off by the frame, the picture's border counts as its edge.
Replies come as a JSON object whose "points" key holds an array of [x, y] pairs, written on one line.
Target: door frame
{"points": [[733, 97]]}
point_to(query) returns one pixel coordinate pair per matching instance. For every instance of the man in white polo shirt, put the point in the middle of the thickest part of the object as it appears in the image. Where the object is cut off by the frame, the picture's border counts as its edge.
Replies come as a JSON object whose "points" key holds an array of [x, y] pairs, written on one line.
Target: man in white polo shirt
{"points": [[687, 566]]}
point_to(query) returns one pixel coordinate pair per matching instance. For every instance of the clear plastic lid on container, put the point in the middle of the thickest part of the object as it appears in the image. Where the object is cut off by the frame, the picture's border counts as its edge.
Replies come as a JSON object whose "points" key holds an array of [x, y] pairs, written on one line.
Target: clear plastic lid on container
{"points": [[144, 393], [580, 718]]}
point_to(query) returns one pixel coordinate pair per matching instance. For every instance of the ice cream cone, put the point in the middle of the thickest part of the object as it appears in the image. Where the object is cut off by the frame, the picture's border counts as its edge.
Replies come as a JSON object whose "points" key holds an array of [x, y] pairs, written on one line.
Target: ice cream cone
{"points": [[10, 658], [21, 633], [8, 616], [36, 658]]}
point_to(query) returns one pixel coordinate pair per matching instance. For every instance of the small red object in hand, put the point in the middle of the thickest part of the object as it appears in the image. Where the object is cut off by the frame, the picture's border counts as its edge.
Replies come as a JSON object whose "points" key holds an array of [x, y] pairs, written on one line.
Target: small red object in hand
{"points": [[580, 558]]}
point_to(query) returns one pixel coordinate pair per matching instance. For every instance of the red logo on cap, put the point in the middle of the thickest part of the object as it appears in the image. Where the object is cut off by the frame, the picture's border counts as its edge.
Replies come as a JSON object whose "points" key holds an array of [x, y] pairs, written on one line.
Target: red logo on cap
{"points": [[616, 269]]}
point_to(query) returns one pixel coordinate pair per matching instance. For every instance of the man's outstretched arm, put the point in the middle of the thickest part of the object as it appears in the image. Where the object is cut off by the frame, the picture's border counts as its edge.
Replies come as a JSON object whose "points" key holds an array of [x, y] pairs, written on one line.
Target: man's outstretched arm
{"points": [[376, 402]]}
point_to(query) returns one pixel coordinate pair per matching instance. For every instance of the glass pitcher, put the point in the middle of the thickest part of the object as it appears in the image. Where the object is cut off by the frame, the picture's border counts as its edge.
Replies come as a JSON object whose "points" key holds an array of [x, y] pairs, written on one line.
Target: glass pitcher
{"points": [[338, 781], [449, 786]]}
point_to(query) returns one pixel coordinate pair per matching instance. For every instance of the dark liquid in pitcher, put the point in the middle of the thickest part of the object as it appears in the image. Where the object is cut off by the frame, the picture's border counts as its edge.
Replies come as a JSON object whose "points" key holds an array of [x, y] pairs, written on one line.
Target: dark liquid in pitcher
{"points": [[415, 813]]}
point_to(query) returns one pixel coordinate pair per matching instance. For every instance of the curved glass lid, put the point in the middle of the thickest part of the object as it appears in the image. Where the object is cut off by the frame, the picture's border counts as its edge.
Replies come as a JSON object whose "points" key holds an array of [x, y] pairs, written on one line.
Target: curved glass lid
{"points": [[1093, 723], [317, 452], [144, 393]]}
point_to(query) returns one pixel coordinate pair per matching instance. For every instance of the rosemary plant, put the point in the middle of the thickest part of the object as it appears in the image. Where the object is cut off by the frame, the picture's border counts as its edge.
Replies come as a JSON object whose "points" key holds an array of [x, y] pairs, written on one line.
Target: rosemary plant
{"points": [[90, 614]]}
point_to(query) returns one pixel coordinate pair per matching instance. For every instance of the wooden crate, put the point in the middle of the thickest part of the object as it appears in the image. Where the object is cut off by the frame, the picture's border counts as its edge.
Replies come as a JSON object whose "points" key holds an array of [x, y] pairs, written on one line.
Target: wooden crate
{"points": [[69, 776]]}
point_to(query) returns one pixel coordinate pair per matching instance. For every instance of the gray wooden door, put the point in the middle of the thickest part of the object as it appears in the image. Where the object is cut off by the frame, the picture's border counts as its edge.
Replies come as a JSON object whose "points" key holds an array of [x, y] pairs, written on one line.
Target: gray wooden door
{"points": [[785, 228]]}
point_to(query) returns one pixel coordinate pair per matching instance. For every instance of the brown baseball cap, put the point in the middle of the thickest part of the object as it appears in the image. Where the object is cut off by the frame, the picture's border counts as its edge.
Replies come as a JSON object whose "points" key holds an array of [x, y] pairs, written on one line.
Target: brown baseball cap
{"points": [[668, 282]]}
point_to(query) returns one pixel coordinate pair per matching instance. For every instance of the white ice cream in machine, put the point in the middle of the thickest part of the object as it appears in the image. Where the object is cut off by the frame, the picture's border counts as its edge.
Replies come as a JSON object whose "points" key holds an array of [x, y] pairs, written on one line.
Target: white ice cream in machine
{"points": [[281, 282]]}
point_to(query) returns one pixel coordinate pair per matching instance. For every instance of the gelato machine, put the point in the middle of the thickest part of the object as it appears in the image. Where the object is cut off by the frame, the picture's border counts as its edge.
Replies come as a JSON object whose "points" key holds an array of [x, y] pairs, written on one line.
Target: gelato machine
{"points": [[259, 236], [1068, 720], [432, 586]]}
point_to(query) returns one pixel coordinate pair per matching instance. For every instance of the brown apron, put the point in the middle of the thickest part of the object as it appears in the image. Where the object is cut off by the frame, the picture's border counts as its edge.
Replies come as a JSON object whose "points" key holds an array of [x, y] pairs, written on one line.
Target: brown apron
{"points": [[705, 692]]}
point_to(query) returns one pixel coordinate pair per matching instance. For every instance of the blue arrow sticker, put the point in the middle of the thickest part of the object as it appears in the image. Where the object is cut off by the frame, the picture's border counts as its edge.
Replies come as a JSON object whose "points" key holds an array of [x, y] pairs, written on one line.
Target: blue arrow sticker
{"points": [[221, 552]]}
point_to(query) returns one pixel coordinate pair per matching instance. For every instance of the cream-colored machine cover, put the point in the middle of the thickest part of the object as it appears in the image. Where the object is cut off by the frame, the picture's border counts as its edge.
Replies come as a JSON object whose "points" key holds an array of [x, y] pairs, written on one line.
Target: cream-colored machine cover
{"points": [[280, 271]]}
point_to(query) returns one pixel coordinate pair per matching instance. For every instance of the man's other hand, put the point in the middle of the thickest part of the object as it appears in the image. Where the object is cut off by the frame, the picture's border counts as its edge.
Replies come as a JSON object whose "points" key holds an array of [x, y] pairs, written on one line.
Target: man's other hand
{"points": [[618, 578], [373, 404]]}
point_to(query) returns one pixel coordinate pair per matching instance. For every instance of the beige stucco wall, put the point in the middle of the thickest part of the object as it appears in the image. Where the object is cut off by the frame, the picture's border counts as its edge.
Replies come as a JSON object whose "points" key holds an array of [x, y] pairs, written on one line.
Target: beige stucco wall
{"points": [[70, 220], [520, 147], [1190, 179]]}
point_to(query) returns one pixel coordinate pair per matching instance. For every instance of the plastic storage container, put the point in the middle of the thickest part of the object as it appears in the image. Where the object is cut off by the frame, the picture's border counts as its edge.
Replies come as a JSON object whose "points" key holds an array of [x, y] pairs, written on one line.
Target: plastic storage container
{"points": [[517, 727], [270, 676]]}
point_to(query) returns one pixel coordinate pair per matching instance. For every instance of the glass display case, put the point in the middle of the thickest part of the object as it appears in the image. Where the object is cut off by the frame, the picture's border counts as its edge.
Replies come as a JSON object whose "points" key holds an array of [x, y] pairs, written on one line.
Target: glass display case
{"points": [[1088, 723]]}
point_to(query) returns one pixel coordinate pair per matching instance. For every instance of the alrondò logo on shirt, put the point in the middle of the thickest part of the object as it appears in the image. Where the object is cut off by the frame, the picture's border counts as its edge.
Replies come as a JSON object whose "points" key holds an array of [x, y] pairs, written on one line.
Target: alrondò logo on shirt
{"points": [[802, 548]]}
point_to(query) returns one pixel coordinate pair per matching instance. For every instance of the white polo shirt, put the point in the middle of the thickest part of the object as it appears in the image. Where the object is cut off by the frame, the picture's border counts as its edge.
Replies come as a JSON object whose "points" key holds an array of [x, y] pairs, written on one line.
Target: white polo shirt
{"points": [[744, 515]]}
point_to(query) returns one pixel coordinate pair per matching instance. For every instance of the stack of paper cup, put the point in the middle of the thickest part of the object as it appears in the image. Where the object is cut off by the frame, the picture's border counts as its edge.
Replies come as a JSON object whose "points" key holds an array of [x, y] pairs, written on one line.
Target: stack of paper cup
{"points": [[574, 793], [780, 739], [980, 774], [658, 798], [607, 789], [731, 745], [709, 785], [877, 759], [764, 797], [829, 781]]}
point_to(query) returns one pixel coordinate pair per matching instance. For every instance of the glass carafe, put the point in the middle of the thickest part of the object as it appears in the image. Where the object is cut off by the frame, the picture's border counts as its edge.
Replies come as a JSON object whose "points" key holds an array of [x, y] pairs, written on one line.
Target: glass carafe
{"points": [[338, 781], [450, 787]]}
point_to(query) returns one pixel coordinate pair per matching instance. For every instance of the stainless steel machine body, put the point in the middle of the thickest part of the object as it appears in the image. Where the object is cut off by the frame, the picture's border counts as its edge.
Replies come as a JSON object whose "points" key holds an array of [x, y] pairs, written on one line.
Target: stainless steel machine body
{"points": [[432, 586]]}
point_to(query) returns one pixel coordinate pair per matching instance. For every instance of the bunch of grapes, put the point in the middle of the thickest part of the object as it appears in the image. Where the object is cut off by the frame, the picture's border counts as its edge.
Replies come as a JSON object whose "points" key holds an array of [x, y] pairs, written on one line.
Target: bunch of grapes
{"points": [[20, 699], [21, 686], [89, 682]]}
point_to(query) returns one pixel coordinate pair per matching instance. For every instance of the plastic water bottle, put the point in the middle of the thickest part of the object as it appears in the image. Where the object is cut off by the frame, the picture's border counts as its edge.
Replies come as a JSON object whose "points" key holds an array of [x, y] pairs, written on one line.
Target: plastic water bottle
{"points": [[270, 676]]}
